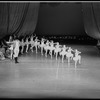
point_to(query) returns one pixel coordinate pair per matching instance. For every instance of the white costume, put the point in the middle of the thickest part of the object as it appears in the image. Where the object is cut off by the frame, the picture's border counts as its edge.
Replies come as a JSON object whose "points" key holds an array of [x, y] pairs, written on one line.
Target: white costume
{"points": [[69, 54], [16, 48], [11, 47], [27, 44], [77, 57], [63, 52], [42, 45], [51, 48], [36, 43], [46, 47], [57, 49], [32, 44], [22, 45]]}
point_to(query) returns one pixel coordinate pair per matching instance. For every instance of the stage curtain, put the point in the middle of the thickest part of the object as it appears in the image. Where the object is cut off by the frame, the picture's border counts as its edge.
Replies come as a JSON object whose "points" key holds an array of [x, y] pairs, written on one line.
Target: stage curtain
{"points": [[18, 18], [3, 19], [91, 17]]}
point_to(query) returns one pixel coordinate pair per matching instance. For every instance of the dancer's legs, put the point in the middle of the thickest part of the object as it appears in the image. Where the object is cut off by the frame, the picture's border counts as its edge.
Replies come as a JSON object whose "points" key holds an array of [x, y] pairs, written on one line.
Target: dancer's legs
{"points": [[41, 50], [46, 53], [75, 63], [56, 55], [36, 48], [27, 46], [11, 54], [22, 49]]}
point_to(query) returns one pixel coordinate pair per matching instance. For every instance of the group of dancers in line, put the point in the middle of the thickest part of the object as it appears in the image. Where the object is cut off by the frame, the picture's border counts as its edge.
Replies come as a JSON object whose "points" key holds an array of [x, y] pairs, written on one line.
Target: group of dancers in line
{"points": [[49, 47]]}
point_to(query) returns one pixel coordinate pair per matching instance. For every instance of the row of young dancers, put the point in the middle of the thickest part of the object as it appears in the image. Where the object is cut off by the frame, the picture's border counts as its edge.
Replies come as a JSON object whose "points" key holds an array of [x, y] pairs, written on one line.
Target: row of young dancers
{"points": [[46, 46]]}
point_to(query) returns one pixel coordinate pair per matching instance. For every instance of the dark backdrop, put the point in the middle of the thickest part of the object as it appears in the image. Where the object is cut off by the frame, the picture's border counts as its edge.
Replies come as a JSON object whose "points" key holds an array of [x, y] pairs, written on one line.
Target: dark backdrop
{"points": [[50, 19], [60, 19]]}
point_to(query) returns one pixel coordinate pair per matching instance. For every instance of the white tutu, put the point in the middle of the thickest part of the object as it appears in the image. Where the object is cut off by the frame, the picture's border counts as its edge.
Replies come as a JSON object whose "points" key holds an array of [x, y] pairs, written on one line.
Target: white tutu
{"points": [[11, 48]]}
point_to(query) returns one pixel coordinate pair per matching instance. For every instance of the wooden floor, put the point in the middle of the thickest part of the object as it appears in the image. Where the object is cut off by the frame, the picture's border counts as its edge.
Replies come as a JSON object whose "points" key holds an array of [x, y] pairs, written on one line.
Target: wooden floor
{"points": [[39, 77]]}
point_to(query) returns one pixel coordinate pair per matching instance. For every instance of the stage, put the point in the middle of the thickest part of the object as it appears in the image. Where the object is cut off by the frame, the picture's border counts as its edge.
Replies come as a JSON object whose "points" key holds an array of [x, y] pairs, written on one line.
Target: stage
{"points": [[39, 77]]}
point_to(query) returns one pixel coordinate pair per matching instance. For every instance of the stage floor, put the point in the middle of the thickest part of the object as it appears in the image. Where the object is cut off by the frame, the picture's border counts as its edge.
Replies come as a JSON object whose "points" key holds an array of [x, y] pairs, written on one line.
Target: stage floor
{"points": [[39, 77]]}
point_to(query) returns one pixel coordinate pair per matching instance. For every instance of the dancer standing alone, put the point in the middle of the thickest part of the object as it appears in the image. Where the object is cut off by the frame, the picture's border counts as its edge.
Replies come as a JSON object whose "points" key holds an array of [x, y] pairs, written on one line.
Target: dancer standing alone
{"points": [[16, 49]]}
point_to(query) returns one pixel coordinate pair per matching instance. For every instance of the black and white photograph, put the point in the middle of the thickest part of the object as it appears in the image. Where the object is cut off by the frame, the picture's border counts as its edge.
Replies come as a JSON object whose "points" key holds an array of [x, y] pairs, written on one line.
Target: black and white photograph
{"points": [[50, 49]]}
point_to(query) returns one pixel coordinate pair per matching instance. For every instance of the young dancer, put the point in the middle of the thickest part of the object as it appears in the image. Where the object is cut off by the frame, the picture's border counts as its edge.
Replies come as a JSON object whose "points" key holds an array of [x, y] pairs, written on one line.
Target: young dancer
{"points": [[77, 57], [69, 54], [27, 44], [32, 42], [42, 45], [10, 43], [51, 48], [16, 49], [22, 46], [63, 52], [46, 47], [36, 43], [57, 49]]}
